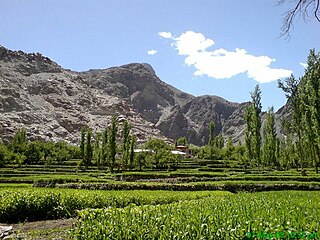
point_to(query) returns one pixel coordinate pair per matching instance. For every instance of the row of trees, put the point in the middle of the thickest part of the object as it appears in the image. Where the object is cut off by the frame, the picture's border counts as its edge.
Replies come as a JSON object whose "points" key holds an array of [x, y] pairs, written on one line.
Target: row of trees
{"points": [[299, 144], [107, 149], [21, 151], [102, 148], [112, 149], [303, 130]]}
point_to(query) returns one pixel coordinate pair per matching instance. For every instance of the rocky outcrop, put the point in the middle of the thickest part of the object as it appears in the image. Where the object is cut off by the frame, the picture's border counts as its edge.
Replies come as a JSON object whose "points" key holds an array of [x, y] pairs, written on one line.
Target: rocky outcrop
{"points": [[53, 103]]}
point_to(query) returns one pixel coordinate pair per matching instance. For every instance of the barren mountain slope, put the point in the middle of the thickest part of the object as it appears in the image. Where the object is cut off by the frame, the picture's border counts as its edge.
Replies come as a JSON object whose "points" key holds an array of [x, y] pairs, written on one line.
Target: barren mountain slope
{"points": [[54, 103]]}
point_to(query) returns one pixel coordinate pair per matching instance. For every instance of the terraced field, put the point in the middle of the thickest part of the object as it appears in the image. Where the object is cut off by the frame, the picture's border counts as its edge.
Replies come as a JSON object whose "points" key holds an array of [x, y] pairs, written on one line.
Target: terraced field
{"points": [[272, 215], [135, 205]]}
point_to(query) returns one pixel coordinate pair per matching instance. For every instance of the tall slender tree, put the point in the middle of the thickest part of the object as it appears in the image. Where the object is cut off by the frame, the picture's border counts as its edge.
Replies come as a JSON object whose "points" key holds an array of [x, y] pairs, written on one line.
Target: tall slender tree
{"points": [[269, 147], [125, 143], [88, 149], [248, 133], [309, 93], [132, 153], [82, 144], [97, 149], [113, 142], [291, 89], [256, 103], [253, 127], [105, 148]]}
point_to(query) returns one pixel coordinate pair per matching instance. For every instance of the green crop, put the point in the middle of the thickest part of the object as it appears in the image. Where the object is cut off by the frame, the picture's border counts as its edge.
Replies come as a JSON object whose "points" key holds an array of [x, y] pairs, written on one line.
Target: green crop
{"points": [[233, 216], [18, 205]]}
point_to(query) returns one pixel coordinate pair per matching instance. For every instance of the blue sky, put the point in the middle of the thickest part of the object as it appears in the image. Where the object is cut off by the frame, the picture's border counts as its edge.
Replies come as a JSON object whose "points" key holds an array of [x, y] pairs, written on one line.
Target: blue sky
{"points": [[216, 47]]}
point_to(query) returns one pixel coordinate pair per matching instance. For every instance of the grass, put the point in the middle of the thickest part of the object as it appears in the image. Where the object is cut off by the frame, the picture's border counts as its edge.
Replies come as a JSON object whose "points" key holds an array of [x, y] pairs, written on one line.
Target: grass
{"points": [[18, 205], [235, 216], [159, 214]]}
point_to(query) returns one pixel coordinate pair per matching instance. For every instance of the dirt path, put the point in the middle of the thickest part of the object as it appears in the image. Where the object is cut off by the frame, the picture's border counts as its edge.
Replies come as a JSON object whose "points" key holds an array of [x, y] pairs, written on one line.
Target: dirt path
{"points": [[50, 229]]}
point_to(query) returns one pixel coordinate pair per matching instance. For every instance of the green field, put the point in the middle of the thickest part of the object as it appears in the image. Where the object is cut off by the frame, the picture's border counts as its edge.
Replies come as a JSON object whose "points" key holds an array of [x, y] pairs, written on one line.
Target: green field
{"points": [[18, 205], [222, 216], [150, 204]]}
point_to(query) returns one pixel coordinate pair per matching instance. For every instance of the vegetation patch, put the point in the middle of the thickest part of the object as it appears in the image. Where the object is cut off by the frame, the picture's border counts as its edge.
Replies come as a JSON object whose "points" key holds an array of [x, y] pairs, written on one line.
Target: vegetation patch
{"points": [[209, 186], [219, 217], [19, 205]]}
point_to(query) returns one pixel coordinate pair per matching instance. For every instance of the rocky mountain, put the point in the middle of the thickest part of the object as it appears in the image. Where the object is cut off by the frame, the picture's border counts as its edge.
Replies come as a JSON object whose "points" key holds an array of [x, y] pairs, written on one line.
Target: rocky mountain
{"points": [[54, 103]]}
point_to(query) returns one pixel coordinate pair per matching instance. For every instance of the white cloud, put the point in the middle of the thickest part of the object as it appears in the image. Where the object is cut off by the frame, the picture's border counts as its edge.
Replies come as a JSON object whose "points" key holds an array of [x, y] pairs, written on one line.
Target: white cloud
{"points": [[221, 63], [304, 65], [165, 34], [152, 52]]}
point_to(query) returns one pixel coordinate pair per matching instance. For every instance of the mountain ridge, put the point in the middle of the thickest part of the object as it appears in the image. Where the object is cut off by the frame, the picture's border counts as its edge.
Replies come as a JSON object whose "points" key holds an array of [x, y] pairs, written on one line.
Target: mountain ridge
{"points": [[54, 103]]}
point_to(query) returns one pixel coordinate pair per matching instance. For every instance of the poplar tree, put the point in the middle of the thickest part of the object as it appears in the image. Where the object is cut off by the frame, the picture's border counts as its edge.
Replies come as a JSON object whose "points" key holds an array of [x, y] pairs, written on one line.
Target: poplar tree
{"points": [[309, 92], [256, 123], [291, 89], [219, 141], [97, 149], [125, 143], [82, 144], [253, 127], [19, 142], [105, 148], [113, 142], [132, 154], [269, 147], [248, 133], [88, 149]]}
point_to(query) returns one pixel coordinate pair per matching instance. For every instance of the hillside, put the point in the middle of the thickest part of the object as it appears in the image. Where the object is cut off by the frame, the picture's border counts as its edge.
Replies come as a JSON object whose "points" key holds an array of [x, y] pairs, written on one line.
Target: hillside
{"points": [[54, 103]]}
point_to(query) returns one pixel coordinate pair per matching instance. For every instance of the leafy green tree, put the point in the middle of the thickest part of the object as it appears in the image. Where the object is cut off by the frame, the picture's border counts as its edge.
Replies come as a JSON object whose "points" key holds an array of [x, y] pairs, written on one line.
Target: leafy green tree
{"points": [[160, 150], [219, 142], [132, 153], [113, 142], [229, 151], [182, 141], [253, 127], [291, 89], [19, 158], [256, 102], [82, 144], [4, 155], [288, 154], [240, 151], [309, 94], [97, 149], [19, 142], [88, 149], [105, 148], [140, 159], [33, 152], [61, 152], [269, 147], [125, 143], [48, 149], [248, 116]]}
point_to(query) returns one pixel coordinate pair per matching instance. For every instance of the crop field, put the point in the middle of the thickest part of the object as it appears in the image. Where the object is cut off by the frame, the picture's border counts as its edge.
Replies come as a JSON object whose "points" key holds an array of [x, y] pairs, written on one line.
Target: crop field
{"points": [[18, 205], [271, 215], [151, 204]]}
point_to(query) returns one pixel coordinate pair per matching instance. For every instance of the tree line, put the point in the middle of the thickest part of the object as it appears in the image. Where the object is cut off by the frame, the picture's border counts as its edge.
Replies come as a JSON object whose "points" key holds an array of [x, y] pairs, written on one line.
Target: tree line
{"points": [[112, 149], [20, 151], [296, 145], [299, 142]]}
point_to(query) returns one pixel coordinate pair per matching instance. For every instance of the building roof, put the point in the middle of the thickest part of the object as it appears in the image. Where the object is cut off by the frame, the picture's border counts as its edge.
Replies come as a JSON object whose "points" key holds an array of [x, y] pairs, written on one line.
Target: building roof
{"points": [[178, 152]]}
